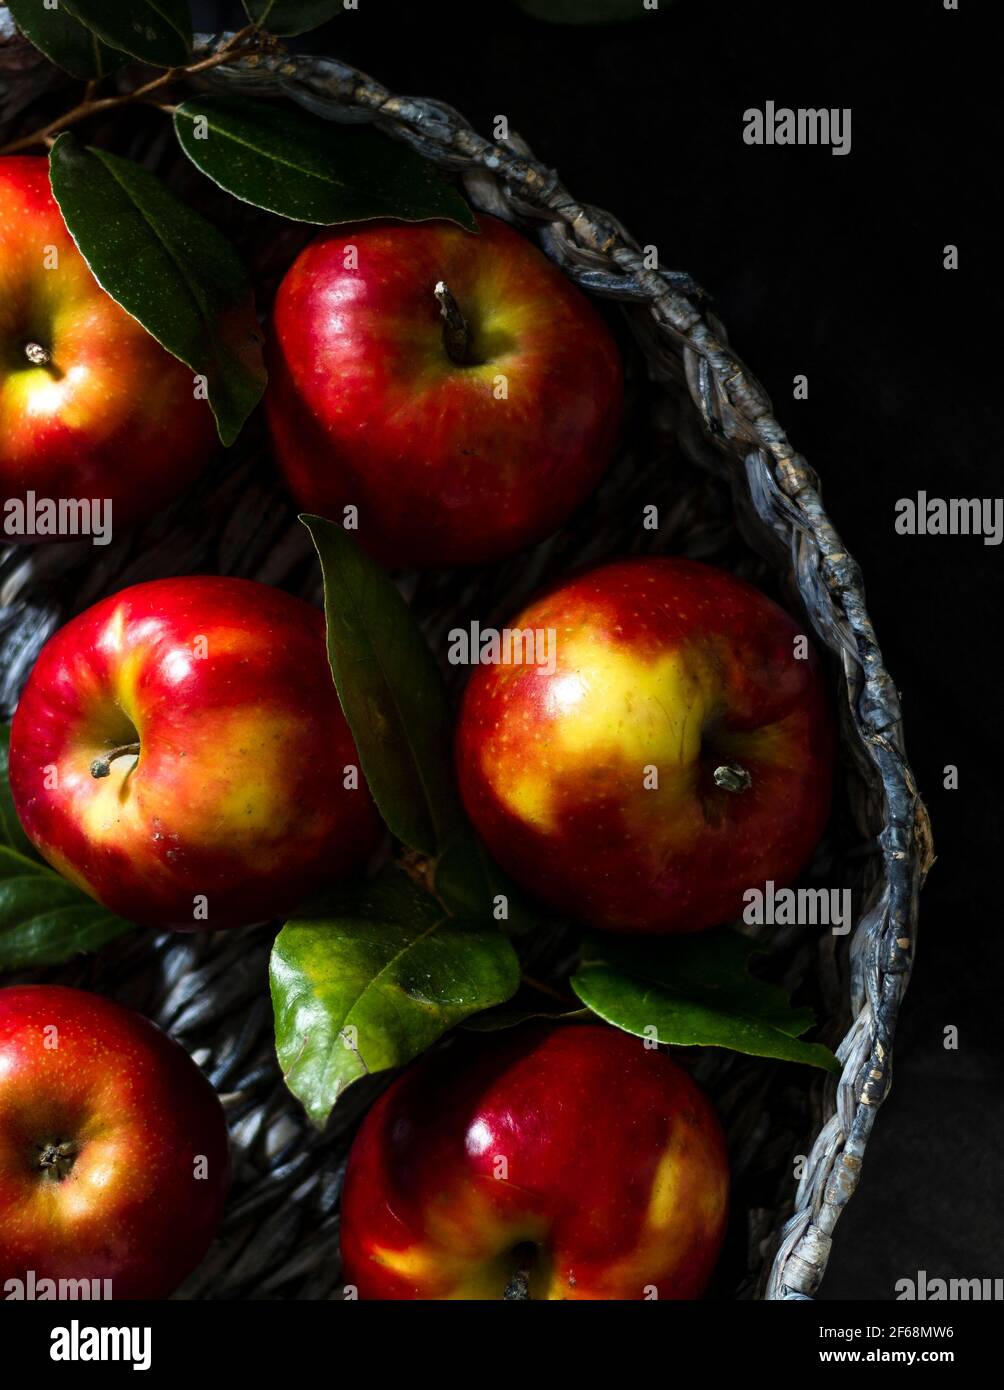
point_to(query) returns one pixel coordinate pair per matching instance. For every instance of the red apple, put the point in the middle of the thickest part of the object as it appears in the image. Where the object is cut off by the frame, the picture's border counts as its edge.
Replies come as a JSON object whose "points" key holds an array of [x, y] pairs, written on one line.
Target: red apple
{"points": [[460, 433], [179, 752], [676, 752], [113, 1147], [91, 406], [572, 1153]]}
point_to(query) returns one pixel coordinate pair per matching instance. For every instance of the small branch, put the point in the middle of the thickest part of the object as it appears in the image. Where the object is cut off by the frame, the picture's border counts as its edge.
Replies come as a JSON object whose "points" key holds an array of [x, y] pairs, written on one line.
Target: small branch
{"points": [[90, 107]]}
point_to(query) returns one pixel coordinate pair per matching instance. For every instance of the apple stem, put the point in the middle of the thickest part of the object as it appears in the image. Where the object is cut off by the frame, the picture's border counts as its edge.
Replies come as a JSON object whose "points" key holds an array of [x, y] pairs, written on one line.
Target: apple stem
{"points": [[101, 767], [56, 1160], [518, 1287], [733, 777], [456, 329], [37, 355]]}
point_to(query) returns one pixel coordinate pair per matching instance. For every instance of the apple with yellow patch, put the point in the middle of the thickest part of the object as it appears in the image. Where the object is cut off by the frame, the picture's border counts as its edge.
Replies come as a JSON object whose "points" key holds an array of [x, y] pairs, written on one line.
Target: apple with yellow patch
{"points": [[550, 1162], [91, 406], [675, 752], [179, 752]]}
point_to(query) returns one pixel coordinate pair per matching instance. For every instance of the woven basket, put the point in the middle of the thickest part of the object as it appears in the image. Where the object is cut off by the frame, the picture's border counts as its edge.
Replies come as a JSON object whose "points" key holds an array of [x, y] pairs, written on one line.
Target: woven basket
{"points": [[701, 443]]}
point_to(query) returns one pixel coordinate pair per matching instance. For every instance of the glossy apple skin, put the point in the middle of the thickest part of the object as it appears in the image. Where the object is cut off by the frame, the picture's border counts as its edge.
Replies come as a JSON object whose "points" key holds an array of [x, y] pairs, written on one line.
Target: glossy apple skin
{"points": [[238, 793], [366, 408], [616, 1172], [138, 1113], [660, 663], [115, 415]]}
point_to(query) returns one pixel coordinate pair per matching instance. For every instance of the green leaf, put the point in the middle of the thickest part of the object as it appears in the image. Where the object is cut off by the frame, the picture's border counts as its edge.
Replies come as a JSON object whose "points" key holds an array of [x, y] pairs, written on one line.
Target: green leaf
{"points": [[311, 170], [696, 991], [64, 40], [391, 691], [468, 882], [586, 11], [43, 919], [287, 18], [396, 705], [154, 31], [361, 993], [169, 268]]}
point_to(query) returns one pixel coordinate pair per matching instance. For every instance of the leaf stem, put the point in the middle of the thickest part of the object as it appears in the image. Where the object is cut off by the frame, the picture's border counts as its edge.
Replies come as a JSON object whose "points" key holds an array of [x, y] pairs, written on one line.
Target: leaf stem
{"points": [[90, 107]]}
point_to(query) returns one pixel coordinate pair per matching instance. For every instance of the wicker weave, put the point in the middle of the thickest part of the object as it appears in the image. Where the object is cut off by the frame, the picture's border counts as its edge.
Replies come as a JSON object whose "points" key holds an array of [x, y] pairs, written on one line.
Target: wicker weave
{"points": [[703, 444]]}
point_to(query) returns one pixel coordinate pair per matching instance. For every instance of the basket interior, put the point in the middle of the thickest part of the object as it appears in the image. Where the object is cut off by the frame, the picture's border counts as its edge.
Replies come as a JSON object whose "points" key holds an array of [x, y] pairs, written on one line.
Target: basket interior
{"points": [[280, 1234]]}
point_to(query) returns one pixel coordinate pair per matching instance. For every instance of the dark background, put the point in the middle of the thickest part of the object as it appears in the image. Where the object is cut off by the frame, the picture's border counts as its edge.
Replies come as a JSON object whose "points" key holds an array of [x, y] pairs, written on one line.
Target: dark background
{"points": [[832, 267]]}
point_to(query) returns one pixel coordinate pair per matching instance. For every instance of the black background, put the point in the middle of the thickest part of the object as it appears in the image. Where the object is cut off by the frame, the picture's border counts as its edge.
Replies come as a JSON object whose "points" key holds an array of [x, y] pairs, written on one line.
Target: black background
{"points": [[832, 267]]}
